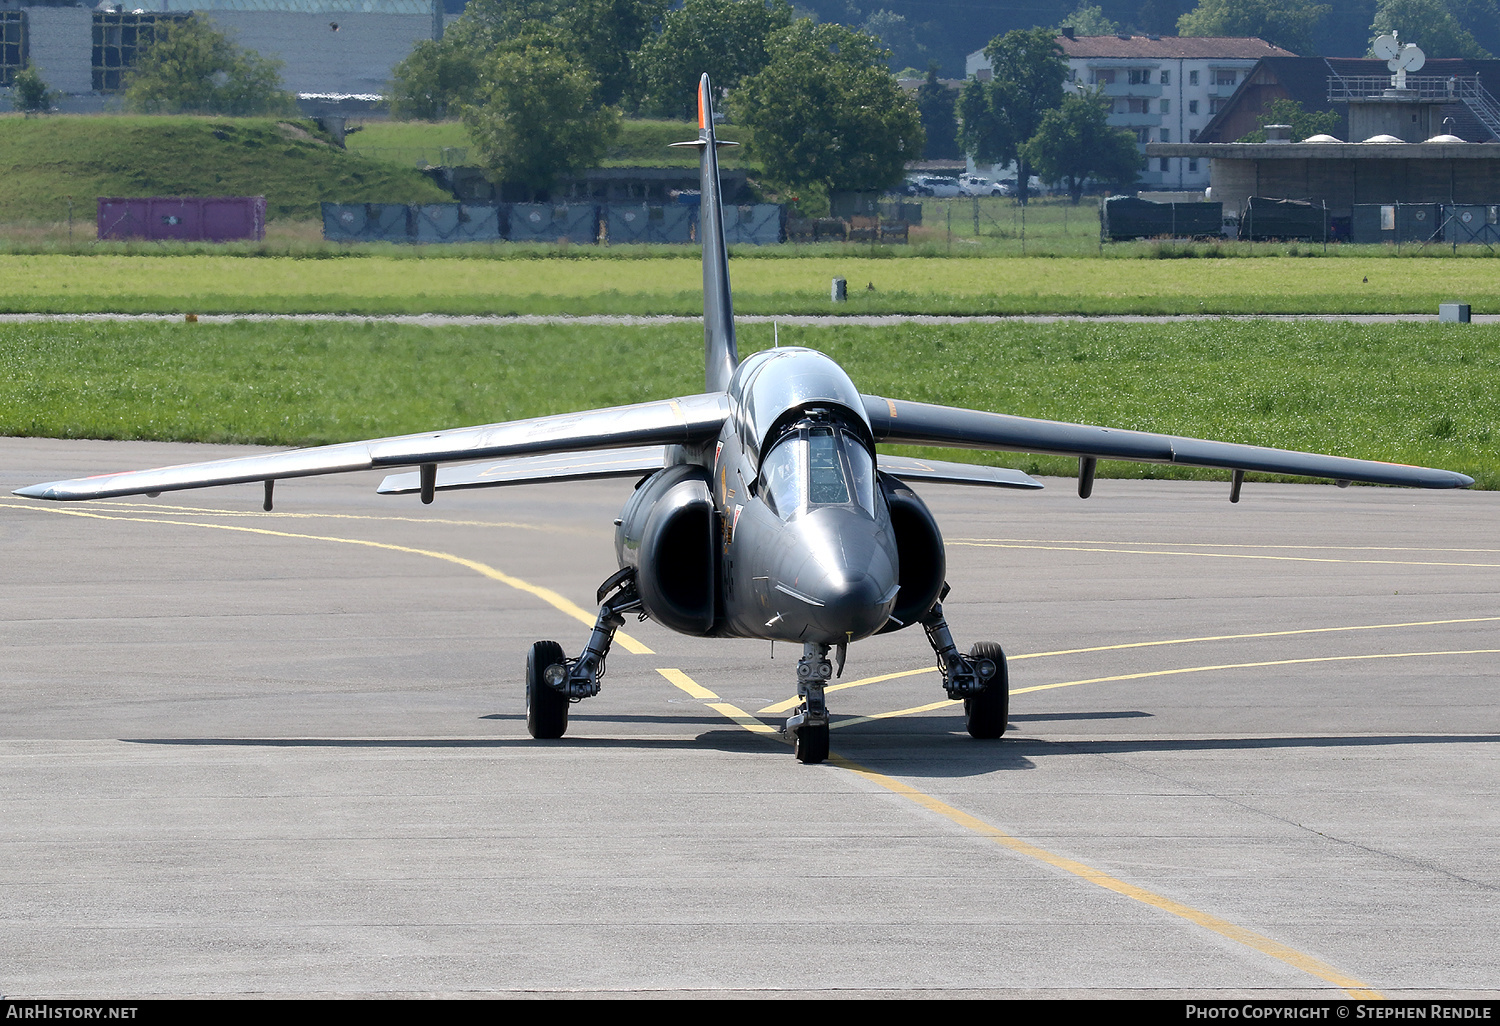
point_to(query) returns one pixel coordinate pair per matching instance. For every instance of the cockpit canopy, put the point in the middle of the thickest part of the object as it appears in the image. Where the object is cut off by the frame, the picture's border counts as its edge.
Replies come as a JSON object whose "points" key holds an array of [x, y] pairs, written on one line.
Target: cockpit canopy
{"points": [[775, 384], [818, 461]]}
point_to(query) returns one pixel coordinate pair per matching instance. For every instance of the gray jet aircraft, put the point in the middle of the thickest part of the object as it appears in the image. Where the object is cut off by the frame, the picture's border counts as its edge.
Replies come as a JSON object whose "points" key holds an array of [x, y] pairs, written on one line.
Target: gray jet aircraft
{"points": [[763, 510]]}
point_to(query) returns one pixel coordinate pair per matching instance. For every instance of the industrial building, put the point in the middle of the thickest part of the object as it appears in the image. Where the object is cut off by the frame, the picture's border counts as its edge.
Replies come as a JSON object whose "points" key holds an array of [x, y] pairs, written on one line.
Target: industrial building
{"points": [[1402, 153], [329, 49]]}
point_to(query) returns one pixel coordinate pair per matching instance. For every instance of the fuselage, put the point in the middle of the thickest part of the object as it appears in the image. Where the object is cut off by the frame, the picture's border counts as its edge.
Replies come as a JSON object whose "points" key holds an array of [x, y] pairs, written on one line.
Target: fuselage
{"points": [[807, 552]]}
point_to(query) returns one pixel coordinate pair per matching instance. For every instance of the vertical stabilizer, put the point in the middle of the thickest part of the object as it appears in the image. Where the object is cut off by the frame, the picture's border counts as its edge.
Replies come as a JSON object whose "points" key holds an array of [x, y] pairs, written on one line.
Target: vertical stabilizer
{"points": [[720, 354]]}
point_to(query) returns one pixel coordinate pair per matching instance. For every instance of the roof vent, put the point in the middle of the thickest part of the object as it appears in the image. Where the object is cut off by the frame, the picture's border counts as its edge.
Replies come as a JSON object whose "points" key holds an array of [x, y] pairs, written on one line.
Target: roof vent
{"points": [[1278, 133], [1320, 138], [1067, 31], [1382, 139], [1445, 138]]}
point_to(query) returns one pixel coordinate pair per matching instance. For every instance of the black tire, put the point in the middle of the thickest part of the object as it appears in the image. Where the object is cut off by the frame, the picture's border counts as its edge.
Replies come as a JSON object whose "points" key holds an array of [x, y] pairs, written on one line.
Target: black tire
{"points": [[546, 708], [812, 744], [987, 714]]}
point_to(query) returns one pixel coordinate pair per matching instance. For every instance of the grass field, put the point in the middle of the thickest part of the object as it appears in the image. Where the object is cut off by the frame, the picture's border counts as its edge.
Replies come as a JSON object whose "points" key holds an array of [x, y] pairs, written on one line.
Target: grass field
{"points": [[1411, 393], [421, 280]]}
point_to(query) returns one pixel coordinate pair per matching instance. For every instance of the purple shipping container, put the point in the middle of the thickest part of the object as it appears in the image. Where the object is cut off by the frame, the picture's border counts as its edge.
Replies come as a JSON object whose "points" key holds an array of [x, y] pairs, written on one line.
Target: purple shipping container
{"points": [[195, 218]]}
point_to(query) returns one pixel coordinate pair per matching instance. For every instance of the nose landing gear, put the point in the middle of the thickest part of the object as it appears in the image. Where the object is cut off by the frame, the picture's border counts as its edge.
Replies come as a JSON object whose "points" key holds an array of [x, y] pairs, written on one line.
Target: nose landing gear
{"points": [[807, 728]]}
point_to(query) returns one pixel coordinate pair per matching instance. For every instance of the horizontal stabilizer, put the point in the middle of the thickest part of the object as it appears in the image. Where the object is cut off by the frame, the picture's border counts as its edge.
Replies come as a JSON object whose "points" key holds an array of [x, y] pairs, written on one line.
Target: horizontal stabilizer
{"points": [[909, 469], [573, 466]]}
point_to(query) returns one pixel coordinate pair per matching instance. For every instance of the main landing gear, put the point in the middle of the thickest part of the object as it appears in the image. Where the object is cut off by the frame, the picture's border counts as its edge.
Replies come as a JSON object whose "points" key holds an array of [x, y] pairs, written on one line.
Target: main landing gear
{"points": [[979, 679], [554, 682]]}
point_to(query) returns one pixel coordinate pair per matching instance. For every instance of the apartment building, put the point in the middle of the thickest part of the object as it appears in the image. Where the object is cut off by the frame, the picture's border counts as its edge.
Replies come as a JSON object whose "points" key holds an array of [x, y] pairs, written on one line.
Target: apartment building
{"points": [[1164, 89]]}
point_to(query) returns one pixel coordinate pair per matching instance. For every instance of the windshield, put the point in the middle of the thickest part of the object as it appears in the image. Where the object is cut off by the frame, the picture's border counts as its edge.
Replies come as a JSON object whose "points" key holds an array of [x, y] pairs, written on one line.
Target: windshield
{"points": [[818, 465]]}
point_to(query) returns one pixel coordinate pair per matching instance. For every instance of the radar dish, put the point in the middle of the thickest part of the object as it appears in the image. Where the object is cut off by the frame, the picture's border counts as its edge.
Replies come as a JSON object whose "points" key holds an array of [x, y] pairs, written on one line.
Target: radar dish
{"points": [[1386, 47], [1411, 58]]}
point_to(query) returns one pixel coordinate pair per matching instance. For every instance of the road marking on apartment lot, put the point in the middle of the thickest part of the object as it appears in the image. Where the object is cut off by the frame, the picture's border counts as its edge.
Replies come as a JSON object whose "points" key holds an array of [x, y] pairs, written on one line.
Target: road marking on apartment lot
{"points": [[1214, 555], [783, 706], [547, 595], [1249, 938]]}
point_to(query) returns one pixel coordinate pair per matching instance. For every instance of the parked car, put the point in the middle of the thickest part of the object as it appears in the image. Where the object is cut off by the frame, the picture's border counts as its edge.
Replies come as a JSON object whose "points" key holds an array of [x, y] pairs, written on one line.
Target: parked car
{"points": [[936, 185], [978, 185]]}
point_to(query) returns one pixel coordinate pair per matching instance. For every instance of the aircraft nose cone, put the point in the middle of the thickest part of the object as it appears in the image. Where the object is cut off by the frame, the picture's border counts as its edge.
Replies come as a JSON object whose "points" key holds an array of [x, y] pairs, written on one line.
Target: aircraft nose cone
{"points": [[856, 604], [845, 587]]}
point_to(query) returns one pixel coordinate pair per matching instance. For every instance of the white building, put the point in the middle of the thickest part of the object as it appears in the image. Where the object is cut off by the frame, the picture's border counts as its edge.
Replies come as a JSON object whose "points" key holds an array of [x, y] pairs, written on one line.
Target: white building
{"points": [[1162, 88]]}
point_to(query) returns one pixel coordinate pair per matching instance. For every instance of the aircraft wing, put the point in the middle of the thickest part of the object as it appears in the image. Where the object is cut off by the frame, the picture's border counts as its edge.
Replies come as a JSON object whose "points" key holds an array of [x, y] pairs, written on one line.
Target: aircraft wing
{"points": [[900, 422], [663, 422]]}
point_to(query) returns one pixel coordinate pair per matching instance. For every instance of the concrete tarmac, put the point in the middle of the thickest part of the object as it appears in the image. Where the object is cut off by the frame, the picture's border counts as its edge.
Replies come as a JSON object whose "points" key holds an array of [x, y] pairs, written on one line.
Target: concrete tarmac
{"points": [[1255, 752]]}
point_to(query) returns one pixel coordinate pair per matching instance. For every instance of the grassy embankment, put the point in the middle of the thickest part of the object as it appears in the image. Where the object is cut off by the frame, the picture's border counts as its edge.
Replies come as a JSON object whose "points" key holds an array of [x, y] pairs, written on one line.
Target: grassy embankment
{"points": [[411, 280], [1412, 393], [45, 161]]}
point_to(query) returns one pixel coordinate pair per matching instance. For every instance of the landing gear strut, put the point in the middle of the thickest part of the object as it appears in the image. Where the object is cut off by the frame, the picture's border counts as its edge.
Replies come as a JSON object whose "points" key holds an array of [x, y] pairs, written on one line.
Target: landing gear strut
{"points": [[979, 679], [554, 682], [807, 728]]}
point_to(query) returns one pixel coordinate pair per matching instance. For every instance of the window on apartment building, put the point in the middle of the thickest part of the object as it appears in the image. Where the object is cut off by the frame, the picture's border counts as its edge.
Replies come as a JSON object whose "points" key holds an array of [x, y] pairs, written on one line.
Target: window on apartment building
{"points": [[1166, 164], [1192, 78], [118, 40], [1192, 135], [1140, 76], [12, 45], [1224, 77], [1143, 135], [1166, 106], [1104, 76], [1134, 106], [1215, 105], [1192, 106], [1192, 165], [1166, 77], [1166, 135]]}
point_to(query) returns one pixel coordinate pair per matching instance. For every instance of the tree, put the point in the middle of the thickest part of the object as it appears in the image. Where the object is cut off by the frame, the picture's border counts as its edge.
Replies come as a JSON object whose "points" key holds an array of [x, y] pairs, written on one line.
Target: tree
{"points": [[191, 68], [29, 93], [608, 35], [535, 115], [1303, 122], [1075, 142], [439, 77], [726, 38], [938, 106], [1289, 24], [895, 34], [1429, 24], [1089, 20], [825, 110], [1000, 115]]}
